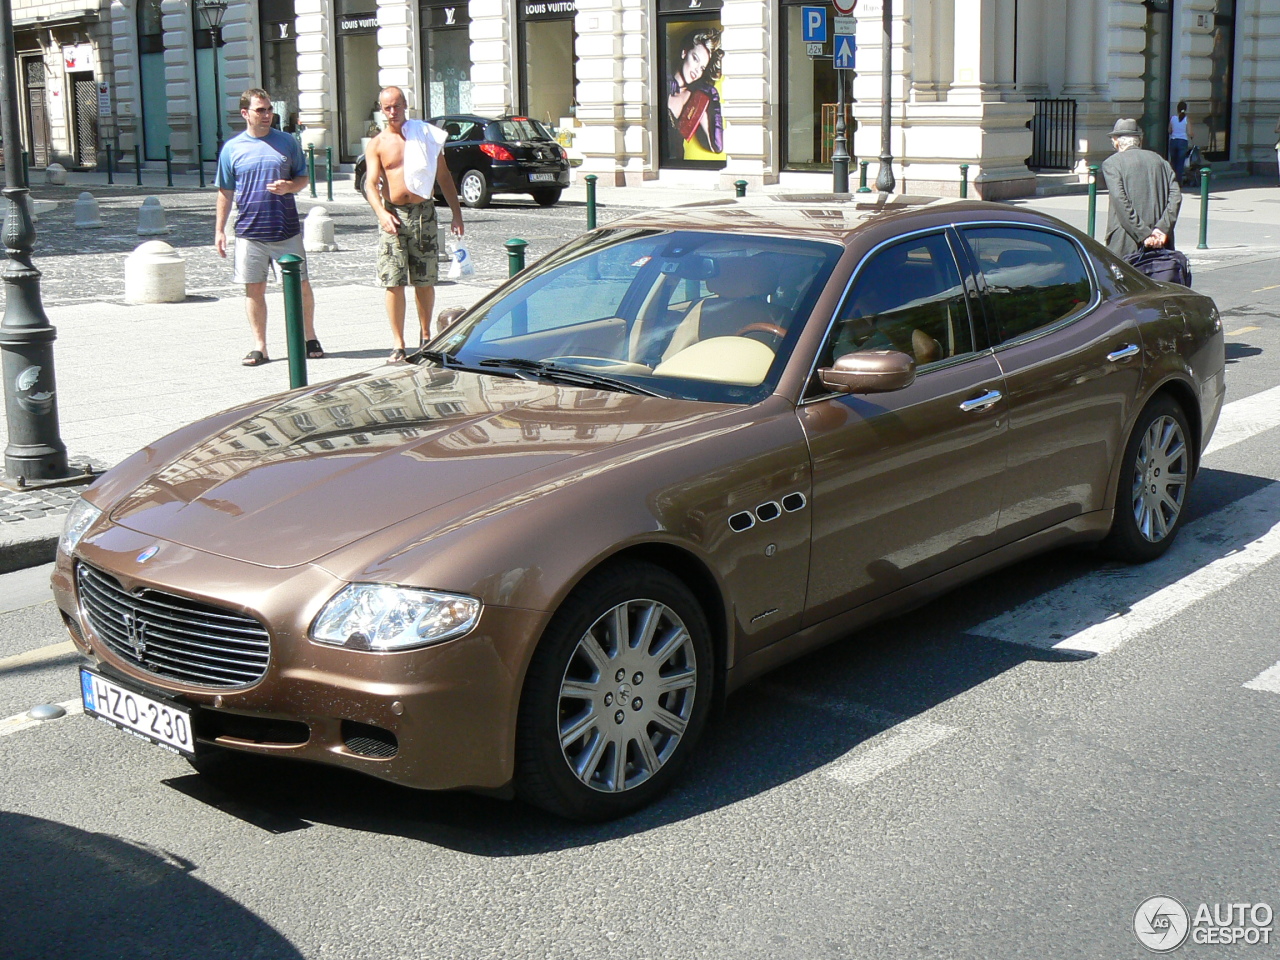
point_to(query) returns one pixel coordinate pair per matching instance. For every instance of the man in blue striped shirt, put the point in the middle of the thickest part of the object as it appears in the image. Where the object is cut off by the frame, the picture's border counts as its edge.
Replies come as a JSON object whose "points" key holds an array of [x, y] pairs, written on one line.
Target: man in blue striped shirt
{"points": [[260, 170]]}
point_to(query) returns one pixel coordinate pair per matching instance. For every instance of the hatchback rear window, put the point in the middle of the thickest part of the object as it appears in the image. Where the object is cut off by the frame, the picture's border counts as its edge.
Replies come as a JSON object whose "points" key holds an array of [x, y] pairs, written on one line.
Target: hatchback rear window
{"points": [[525, 128]]}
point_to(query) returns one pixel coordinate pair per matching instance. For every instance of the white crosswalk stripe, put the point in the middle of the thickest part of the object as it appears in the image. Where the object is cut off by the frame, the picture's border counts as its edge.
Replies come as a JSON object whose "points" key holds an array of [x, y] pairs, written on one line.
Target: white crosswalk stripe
{"points": [[1267, 681], [1242, 419]]}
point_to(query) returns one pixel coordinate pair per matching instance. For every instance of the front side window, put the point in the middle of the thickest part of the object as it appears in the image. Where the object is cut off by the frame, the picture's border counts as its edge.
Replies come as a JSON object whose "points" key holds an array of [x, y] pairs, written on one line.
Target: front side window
{"points": [[907, 297], [1034, 278]]}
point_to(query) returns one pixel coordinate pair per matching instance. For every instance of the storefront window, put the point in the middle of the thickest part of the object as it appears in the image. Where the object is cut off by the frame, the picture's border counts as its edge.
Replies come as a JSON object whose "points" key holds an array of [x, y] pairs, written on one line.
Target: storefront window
{"points": [[280, 60], [155, 105], [548, 62], [1216, 115], [809, 98], [446, 58], [692, 132], [357, 76]]}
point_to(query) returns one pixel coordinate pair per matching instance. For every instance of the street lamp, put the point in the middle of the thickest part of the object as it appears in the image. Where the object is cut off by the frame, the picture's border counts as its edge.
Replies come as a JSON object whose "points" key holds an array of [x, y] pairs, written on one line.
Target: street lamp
{"points": [[884, 179], [35, 451], [211, 14]]}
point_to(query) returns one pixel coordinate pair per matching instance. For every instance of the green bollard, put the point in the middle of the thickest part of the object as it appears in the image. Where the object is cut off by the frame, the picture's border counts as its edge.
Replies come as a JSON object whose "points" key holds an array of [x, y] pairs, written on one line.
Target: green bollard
{"points": [[1204, 209], [328, 173], [591, 201], [291, 280], [1093, 198], [515, 255], [200, 161], [168, 166], [740, 188], [964, 181], [111, 150], [311, 168], [862, 176], [137, 163]]}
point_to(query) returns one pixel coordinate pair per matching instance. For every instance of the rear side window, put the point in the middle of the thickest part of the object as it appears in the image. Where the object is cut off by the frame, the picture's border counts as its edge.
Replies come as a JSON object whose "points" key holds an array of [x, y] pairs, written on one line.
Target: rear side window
{"points": [[907, 297], [1034, 278]]}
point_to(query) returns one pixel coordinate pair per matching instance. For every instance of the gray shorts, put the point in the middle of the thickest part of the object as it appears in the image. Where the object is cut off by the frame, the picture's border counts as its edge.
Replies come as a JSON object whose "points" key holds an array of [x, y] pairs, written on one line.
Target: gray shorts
{"points": [[253, 257]]}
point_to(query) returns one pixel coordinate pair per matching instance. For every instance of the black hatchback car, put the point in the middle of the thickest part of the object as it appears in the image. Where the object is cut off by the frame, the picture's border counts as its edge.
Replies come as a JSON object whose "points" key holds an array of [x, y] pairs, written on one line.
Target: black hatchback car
{"points": [[502, 155]]}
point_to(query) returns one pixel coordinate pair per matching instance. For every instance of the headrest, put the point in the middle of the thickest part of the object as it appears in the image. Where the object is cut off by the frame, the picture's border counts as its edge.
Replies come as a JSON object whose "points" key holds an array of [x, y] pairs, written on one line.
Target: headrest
{"points": [[740, 277]]}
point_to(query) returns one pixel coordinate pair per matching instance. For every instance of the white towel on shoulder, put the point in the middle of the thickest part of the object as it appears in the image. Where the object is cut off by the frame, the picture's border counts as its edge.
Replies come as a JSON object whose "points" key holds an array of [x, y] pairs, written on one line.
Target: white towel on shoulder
{"points": [[422, 144]]}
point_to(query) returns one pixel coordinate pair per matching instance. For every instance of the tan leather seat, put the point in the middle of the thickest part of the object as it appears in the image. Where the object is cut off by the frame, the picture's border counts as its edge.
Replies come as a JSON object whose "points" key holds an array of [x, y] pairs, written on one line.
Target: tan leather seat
{"points": [[741, 286]]}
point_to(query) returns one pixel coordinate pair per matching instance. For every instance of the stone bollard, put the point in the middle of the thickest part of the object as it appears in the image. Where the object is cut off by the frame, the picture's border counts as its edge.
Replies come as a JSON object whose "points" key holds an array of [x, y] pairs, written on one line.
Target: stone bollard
{"points": [[154, 273], [86, 212], [317, 232], [151, 218], [56, 174]]}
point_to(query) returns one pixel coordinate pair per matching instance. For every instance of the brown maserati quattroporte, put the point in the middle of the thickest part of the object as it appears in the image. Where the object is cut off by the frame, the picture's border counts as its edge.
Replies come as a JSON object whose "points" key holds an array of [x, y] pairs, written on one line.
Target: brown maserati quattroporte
{"points": [[679, 451]]}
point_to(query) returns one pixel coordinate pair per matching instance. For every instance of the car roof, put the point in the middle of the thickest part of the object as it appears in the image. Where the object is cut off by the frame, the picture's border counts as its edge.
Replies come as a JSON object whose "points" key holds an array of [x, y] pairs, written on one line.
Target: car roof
{"points": [[826, 216]]}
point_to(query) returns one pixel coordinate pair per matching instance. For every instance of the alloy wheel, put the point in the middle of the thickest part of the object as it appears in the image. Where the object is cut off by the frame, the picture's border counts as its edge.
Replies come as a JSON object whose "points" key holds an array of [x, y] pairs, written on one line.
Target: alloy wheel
{"points": [[1160, 479]]}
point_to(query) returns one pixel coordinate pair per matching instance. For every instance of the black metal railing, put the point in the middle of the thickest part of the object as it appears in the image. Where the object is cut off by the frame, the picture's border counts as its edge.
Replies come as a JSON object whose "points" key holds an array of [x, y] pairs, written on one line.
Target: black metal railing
{"points": [[1053, 135]]}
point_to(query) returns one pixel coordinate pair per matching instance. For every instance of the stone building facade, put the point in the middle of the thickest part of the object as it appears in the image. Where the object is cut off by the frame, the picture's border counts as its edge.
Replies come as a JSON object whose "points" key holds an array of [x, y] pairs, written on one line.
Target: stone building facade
{"points": [[701, 92]]}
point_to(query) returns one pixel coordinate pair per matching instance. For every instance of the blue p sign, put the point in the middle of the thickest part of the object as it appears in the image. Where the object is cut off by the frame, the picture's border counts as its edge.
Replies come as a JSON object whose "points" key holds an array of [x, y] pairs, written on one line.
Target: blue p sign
{"points": [[814, 20]]}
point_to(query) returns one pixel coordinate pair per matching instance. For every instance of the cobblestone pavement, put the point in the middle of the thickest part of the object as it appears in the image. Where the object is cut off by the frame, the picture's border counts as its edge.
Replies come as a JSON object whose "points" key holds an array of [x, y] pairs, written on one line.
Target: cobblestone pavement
{"points": [[87, 265], [34, 504]]}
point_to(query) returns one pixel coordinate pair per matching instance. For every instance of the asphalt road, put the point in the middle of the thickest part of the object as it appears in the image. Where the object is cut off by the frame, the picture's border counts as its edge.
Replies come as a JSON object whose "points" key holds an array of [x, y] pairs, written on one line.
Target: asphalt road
{"points": [[919, 790]]}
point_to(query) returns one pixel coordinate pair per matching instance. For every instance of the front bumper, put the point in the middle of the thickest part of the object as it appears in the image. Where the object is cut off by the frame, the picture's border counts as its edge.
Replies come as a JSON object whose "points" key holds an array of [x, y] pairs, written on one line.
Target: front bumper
{"points": [[448, 711]]}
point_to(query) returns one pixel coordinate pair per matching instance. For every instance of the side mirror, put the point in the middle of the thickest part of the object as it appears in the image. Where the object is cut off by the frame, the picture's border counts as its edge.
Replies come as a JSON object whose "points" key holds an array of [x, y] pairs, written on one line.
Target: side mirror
{"points": [[447, 318], [869, 371]]}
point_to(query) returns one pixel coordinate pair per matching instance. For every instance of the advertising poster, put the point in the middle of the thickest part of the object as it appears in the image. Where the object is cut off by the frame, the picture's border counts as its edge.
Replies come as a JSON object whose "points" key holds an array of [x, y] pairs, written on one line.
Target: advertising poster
{"points": [[694, 130]]}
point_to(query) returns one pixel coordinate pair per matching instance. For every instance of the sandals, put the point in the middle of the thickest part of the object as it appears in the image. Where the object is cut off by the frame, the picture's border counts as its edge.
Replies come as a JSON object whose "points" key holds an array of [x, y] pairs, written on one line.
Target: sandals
{"points": [[314, 350], [397, 356], [255, 358]]}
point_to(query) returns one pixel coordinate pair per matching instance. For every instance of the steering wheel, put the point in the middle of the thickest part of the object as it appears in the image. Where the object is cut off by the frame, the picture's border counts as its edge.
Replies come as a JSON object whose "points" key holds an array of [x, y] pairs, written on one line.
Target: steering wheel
{"points": [[770, 328]]}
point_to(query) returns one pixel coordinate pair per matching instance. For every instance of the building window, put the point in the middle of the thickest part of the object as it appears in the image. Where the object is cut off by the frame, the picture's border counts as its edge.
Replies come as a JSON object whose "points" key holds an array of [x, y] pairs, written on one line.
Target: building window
{"points": [[446, 57], [280, 60], [692, 131], [808, 97], [155, 106], [548, 59], [358, 114]]}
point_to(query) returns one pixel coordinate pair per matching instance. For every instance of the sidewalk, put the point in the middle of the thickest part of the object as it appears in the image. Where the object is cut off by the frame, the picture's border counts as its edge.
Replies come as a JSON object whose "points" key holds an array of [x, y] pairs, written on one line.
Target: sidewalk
{"points": [[129, 374]]}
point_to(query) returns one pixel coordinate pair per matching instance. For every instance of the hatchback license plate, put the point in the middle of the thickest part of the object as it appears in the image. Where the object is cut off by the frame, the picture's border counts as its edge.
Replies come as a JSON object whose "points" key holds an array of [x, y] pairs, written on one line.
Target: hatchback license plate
{"points": [[542, 177], [161, 723]]}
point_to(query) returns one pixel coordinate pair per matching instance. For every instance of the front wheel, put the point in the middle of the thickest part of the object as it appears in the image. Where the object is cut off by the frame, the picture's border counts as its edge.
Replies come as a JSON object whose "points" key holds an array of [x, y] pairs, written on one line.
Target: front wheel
{"points": [[1154, 478], [617, 694], [473, 188]]}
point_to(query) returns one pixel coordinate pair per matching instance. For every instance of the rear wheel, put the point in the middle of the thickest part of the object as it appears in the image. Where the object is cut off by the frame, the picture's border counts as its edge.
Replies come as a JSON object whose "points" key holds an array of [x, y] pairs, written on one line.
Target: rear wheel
{"points": [[547, 196], [617, 694], [473, 188], [1154, 478]]}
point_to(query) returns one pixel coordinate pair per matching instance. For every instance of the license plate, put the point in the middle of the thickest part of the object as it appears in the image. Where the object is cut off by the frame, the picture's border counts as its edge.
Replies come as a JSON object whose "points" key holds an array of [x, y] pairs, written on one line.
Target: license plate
{"points": [[541, 177], [162, 723]]}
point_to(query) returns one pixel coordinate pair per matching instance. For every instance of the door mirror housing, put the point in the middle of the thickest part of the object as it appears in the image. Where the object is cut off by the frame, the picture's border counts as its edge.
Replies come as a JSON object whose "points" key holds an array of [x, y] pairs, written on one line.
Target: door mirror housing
{"points": [[869, 371]]}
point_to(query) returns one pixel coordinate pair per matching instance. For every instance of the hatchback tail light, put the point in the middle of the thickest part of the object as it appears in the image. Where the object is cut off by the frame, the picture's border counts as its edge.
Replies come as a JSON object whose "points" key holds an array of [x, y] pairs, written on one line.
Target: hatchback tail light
{"points": [[562, 152], [497, 151]]}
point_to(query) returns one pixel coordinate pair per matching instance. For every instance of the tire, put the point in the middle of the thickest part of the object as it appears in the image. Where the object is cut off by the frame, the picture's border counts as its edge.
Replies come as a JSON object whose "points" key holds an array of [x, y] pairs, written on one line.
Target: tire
{"points": [[1155, 476], [547, 198], [360, 173], [473, 189], [591, 743]]}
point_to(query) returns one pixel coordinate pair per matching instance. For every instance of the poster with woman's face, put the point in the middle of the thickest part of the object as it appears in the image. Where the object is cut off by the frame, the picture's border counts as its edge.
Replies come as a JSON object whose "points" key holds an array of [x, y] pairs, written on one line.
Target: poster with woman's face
{"points": [[694, 123]]}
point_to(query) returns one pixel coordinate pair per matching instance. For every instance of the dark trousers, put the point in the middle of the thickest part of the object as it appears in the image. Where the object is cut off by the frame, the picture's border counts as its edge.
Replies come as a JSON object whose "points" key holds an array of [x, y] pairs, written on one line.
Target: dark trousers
{"points": [[1178, 150]]}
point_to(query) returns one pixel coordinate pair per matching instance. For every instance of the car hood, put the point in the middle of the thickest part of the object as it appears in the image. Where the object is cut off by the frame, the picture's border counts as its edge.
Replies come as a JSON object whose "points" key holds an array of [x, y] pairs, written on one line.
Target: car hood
{"points": [[316, 471]]}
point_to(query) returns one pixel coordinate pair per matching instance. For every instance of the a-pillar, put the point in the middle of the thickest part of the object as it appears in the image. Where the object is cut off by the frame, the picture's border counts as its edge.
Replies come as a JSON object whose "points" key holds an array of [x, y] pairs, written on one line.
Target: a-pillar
{"points": [[492, 41], [313, 27], [125, 92], [395, 49], [745, 97], [179, 77]]}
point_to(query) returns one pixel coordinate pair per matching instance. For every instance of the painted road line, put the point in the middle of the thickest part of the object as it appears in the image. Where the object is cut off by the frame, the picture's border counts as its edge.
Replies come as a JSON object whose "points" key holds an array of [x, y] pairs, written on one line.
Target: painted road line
{"points": [[1100, 611], [1242, 419], [54, 651], [901, 738], [21, 721], [1242, 330], [1268, 680]]}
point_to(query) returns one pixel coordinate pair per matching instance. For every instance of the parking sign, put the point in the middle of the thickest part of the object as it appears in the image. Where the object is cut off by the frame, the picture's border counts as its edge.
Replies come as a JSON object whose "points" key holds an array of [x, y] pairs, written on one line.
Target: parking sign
{"points": [[814, 21]]}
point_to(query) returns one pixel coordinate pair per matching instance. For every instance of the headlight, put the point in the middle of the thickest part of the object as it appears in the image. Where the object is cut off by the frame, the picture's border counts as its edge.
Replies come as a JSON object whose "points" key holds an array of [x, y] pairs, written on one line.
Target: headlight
{"points": [[80, 519], [377, 616]]}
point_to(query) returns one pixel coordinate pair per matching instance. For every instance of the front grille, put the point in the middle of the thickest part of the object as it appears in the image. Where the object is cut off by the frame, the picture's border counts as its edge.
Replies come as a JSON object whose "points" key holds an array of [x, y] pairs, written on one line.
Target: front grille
{"points": [[172, 636], [369, 741]]}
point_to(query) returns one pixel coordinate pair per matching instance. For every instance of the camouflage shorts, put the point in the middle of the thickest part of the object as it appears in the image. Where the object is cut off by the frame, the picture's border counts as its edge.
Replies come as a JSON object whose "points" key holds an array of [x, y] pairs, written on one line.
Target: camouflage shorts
{"points": [[409, 258]]}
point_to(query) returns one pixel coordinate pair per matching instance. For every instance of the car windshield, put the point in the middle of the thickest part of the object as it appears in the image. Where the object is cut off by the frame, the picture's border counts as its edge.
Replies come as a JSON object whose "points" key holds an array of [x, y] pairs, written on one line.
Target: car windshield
{"points": [[701, 316], [518, 128]]}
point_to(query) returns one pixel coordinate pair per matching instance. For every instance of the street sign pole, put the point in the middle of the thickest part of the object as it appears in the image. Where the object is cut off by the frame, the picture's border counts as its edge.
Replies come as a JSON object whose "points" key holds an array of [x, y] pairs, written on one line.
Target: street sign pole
{"points": [[885, 181], [842, 61]]}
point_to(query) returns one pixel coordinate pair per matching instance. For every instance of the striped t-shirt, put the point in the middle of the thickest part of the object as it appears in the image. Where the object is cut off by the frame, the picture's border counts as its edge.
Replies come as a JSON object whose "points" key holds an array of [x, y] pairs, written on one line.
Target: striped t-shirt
{"points": [[246, 165]]}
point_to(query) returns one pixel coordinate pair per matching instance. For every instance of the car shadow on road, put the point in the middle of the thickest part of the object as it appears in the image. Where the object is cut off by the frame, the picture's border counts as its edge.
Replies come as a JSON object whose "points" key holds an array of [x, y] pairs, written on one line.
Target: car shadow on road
{"points": [[71, 893], [793, 722]]}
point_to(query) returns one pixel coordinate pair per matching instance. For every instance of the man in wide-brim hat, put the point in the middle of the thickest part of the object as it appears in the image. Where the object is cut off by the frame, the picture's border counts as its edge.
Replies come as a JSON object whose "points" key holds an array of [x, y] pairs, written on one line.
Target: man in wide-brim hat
{"points": [[1145, 198]]}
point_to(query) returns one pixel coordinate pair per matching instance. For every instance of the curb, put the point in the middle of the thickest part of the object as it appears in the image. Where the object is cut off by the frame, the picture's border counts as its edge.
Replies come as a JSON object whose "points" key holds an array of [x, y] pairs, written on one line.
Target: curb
{"points": [[32, 543]]}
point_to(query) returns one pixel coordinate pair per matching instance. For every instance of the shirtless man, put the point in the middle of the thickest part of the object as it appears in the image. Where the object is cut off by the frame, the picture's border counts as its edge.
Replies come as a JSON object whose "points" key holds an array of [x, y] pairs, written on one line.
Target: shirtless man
{"points": [[403, 163]]}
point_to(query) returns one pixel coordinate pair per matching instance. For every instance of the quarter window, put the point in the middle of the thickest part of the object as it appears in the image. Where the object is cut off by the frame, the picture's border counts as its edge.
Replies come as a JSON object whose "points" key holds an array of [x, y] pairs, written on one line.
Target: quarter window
{"points": [[1033, 278], [907, 297]]}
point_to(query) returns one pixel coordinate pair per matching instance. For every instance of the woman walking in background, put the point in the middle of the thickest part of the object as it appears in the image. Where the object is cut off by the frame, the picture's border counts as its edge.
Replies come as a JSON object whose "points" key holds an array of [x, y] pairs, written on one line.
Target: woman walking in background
{"points": [[1179, 139]]}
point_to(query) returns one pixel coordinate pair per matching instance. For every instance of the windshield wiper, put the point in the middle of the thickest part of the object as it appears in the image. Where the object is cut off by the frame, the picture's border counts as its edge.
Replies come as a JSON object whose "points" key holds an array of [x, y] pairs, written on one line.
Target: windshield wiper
{"points": [[574, 375]]}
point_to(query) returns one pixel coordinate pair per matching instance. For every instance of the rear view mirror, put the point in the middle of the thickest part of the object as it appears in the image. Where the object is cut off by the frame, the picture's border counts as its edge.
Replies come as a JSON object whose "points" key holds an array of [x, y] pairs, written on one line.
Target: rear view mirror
{"points": [[869, 371]]}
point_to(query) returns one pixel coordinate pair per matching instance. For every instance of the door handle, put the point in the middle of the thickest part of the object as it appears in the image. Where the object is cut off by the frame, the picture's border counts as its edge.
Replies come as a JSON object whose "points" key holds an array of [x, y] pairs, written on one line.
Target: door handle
{"points": [[988, 399], [1124, 353]]}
